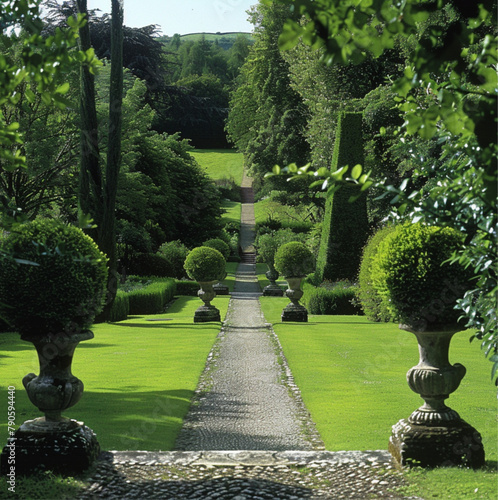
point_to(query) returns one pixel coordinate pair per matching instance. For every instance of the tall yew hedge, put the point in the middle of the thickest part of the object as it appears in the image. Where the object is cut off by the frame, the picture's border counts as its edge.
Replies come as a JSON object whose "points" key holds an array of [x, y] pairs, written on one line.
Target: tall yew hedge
{"points": [[345, 225]]}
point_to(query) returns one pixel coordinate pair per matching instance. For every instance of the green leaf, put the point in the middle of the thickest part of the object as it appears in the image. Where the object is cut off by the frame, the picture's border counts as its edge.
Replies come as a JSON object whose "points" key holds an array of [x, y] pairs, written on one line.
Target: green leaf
{"points": [[356, 172]]}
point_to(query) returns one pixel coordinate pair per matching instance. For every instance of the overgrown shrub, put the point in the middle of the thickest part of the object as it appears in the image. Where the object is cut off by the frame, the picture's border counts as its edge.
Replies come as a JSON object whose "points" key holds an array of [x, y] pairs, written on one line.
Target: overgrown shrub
{"points": [[336, 300], [149, 264], [175, 252], [220, 245], [372, 304], [153, 298], [205, 264], [411, 273], [52, 278], [120, 308], [294, 260]]}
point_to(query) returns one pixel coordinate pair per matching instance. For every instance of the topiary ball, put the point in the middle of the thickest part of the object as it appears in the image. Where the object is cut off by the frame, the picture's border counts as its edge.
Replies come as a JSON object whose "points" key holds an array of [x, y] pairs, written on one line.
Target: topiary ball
{"points": [[52, 279], [294, 260], [205, 264], [410, 271], [220, 245]]}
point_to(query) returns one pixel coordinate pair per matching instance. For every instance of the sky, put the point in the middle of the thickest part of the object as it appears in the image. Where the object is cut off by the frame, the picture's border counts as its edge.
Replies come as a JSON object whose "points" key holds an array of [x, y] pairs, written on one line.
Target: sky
{"points": [[184, 16]]}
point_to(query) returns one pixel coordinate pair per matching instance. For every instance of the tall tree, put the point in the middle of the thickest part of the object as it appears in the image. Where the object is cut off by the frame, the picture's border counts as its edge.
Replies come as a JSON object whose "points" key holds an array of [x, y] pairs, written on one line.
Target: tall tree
{"points": [[97, 192]]}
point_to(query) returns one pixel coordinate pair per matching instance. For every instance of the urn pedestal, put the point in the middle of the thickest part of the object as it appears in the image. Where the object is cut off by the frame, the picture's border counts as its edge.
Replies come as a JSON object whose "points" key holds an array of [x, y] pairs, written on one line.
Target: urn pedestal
{"points": [[272, 290], [206, 312], [294, 311], [53, 442], [434, 434], [220, 288]]}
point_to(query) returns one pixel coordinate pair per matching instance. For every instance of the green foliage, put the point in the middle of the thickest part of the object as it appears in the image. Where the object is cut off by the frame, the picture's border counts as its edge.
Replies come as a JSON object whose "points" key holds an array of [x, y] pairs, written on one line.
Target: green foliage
{"points": [[294, 260], [153, 298], [189, 288], [448, 92], [175, 252], [372, 304], [338, 299], [150, 264], [345, 225], [52, 279], [219, 245], [411, 272], [120, 308], [267, 244], [205, 264]]}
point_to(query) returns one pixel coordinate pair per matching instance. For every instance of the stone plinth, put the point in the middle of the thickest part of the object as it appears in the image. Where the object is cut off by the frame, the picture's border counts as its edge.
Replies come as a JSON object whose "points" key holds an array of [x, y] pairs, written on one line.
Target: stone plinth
{"points": [[221, 289], [293, 312], [206, 313], [452, 444], [273, 290], [68, 447]]}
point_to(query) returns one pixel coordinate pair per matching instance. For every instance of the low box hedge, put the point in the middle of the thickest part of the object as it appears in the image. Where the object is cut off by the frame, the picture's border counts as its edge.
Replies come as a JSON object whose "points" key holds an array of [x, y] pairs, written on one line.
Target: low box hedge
{"points": [[153, 298], [338, 300], [189, 288]]}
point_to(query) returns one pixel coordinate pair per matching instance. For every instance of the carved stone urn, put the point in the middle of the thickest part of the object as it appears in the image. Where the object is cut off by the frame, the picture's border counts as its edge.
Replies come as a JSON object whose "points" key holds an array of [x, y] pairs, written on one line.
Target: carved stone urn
{"points": [[434, 434], [294, 311], [54, 442], [207, 312], [272, 290]]}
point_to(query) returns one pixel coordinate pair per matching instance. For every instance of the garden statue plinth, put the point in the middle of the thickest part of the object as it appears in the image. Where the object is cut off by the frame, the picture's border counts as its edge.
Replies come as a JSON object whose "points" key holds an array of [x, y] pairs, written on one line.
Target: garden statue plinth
{"points": [[53, 442], [206, 312], [435, 435], [220, 288], [294, 311], [272, 290]]}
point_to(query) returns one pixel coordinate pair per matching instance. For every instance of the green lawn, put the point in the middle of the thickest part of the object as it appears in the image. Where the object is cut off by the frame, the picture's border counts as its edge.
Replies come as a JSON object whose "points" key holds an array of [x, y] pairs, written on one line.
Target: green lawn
{"points": [[231, 212], [352, 376], [139, 375], [221, 163]]}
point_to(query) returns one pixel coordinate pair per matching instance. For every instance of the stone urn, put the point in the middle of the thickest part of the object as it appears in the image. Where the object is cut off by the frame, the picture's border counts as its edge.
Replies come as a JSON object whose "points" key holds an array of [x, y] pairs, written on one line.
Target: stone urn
{"points": [[434, 434], [54, 442], [272, 290], [207, 312], [294, 311]]}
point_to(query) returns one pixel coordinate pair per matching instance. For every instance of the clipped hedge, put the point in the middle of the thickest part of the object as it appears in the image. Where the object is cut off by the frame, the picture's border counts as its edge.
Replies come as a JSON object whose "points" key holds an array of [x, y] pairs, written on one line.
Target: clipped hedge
{"points": [[153, 298], [220, 245], [189, 288], [345, 224], [52, 278], [373, 306], [417, 283], [120, 307], [294, 260], [339, 300]]}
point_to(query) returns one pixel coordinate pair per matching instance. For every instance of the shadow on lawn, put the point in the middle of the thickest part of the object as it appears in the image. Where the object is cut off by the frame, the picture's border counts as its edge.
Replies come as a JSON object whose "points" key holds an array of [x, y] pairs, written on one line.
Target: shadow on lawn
{"points": [[167, 325], [133, 420]]}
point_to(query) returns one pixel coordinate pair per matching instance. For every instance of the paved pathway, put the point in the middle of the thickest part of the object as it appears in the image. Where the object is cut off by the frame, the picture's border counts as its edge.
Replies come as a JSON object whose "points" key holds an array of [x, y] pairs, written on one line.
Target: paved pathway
{"points": [[248, 405]]}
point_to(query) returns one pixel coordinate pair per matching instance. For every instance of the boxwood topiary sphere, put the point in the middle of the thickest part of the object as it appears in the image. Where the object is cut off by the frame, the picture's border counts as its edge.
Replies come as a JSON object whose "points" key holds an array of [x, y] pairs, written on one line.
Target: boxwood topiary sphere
{"points": [[220, 245], [410, 272], [294, 260], [205, 264], [52, 279]]}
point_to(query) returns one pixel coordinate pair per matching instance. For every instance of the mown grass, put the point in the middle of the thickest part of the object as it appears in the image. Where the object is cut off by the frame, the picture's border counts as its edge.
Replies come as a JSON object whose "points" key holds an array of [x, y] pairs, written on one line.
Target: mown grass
{"points": [[231, 212], [286, 216], [139, 375], [352, 376], [221, 163]]}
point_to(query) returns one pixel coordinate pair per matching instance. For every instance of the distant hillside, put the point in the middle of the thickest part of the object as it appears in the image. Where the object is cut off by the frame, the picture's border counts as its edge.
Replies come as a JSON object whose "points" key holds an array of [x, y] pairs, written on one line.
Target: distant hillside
{"points": [[225, 40]]}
